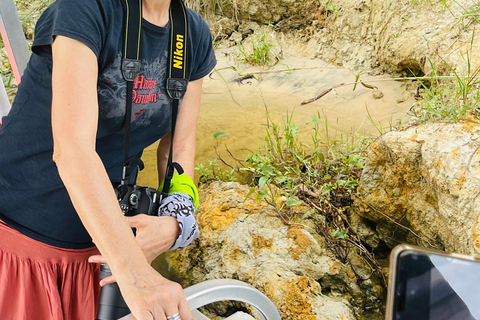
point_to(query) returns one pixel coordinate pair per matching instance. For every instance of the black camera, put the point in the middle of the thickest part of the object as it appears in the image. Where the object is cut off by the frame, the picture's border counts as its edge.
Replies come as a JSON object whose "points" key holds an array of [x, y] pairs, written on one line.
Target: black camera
{"points": [[138, 200], [111, 305]]}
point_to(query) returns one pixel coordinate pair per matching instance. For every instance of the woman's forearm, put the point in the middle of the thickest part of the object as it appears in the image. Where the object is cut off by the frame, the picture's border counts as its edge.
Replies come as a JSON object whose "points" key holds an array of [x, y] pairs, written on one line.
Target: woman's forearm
{"points": [[185, 134], [183, 154], [74, 128], [93, 197]]}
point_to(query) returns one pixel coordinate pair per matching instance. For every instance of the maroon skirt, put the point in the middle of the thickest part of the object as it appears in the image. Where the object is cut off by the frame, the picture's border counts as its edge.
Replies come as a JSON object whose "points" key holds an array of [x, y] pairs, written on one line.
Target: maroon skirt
{"points": [[38, 281]]}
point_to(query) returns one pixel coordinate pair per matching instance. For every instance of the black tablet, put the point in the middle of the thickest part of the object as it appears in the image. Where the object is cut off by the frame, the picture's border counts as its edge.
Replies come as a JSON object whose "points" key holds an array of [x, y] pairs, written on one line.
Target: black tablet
{"points": [[427, 284]]}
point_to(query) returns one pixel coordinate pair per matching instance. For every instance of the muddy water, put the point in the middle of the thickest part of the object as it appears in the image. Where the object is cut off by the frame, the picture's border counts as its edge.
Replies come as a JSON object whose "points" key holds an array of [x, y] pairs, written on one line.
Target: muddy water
{"points": [[239, 109]]}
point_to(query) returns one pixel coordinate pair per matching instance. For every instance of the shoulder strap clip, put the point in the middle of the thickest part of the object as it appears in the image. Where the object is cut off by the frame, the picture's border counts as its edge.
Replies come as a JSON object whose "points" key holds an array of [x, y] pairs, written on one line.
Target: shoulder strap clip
{"points": [[130, 69], [176, 87]]}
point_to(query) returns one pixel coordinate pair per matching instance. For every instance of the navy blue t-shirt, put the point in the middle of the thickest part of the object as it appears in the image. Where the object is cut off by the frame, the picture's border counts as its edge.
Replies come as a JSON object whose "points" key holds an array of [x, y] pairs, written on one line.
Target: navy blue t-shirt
{"points": [[33, 198]]}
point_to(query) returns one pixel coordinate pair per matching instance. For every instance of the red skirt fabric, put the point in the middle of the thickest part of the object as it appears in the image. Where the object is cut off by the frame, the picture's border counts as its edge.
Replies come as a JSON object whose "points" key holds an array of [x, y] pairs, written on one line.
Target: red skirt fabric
{"points": [[38, 281]]}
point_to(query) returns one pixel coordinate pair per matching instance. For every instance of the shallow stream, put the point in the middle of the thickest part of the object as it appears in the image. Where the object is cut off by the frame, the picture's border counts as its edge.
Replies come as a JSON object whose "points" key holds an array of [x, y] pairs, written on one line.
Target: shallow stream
{"points": [[238, 108]]}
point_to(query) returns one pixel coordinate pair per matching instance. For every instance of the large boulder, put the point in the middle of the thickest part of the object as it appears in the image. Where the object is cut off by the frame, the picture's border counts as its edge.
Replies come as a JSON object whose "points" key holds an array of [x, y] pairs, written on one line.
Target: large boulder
{"points": [[422, 186], [248, 241]]}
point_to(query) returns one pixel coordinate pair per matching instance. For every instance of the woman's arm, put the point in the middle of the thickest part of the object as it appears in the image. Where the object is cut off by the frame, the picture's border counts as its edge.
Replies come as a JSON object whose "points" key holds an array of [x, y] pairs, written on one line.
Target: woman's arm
{"points": [[156, 235], [74, 123], [185, 133]]}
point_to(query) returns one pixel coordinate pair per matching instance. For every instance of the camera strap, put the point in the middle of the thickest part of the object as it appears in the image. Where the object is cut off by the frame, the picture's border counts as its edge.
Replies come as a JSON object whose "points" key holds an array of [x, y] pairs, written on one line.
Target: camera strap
{"points": [[176, 84], [176, 81]]}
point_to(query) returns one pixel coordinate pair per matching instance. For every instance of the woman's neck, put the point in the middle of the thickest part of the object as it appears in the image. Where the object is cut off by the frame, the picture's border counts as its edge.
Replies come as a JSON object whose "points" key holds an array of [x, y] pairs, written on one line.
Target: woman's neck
{"points": [[156, 11]]}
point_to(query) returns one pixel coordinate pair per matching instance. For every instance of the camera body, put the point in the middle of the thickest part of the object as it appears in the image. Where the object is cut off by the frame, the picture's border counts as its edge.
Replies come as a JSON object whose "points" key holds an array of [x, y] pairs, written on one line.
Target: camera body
{"points": [[139, 200]]}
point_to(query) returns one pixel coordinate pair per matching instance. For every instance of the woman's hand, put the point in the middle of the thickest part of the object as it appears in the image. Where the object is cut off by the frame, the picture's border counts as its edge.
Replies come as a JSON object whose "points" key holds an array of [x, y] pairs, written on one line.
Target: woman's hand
{"points": [[147, 290], [154, 234]]}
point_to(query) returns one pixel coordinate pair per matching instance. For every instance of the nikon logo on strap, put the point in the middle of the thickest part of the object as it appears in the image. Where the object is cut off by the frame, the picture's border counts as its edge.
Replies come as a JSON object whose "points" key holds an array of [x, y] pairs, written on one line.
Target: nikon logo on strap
{"points": [[179, 52]]}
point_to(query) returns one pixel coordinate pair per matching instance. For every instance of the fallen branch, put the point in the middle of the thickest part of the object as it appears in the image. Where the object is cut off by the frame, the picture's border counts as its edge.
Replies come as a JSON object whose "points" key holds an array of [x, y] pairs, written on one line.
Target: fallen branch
{"points": [[321, 94], [369, 86], [283, 70]]}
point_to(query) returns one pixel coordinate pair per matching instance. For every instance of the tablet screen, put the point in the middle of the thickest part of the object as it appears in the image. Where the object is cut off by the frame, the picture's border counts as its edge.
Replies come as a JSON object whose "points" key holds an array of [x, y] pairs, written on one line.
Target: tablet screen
{"points": [[430, 286]]}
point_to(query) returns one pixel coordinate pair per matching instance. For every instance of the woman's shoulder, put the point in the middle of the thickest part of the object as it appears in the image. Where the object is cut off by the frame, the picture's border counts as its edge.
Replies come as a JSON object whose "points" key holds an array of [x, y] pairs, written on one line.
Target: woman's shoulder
{"points": [[197, 24], [74, 8], [89, 3], [88, 21], [97, 8]]}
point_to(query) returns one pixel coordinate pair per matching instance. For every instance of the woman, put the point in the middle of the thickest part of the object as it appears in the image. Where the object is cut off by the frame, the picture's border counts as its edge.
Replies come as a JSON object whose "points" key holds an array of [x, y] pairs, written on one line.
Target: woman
{"points": [[61, 148]]}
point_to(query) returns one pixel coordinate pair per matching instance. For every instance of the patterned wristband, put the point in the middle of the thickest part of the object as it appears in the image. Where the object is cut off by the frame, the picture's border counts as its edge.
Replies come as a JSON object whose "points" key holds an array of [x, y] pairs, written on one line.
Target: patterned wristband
{"points": [[180, 206]]}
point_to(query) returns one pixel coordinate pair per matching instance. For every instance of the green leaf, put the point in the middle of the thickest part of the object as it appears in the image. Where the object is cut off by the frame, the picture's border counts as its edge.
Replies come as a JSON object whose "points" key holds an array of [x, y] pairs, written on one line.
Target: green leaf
{"points": [[261, 195], [340, 182], [292, 202], [250, 192], [315, 120], [281, 179], [339, 234], [262, 181], [267, 169], [308, 214], [219, 134]]}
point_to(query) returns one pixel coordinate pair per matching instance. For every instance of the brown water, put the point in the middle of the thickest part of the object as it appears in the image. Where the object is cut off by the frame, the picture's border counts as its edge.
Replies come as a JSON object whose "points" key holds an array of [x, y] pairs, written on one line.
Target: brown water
{"points": [[239, 109]]}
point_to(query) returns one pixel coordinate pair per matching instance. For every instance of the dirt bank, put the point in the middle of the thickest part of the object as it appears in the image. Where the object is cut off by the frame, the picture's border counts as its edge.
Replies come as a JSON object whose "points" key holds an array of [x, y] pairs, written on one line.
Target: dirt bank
{"points": [[369, 36]]}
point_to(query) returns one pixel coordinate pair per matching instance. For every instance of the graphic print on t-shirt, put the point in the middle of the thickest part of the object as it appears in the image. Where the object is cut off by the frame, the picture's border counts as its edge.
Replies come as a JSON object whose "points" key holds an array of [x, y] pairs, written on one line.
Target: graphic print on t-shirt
{"points": [[148, 99]]}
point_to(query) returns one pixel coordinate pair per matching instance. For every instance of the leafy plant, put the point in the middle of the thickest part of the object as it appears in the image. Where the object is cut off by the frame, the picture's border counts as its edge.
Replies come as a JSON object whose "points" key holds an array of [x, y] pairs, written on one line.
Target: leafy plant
{"points": [[314, 182], [213, 170], [331, 8], [473, 11], [259, 53], [452, 99]]}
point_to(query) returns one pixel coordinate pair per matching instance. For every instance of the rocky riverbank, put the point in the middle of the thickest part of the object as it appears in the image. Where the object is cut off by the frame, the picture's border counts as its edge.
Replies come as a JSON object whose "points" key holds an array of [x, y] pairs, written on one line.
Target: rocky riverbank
{"points": [[418, 184]]}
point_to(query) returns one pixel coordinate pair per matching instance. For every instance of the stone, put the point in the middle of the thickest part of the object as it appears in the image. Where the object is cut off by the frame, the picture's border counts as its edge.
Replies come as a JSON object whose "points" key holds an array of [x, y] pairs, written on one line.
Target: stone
{"points": [[377, 94], [240, 316], [236, 37], [421, 186], [247, 240]]}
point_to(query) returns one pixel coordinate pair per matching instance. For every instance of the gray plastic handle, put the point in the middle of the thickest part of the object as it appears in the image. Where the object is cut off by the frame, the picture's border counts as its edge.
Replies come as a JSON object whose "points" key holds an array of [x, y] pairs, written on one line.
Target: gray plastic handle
{"points": [[211, 291]]}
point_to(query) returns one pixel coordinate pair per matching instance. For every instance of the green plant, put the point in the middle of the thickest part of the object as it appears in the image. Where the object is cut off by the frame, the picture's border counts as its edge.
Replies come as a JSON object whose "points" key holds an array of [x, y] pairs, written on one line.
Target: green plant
{"points": [[378, 127], [323, 169], [432, 4], [473, 11], [213, 170], [29, 12], [453, 99], [288, 173], [331, 8], [259, 53]]}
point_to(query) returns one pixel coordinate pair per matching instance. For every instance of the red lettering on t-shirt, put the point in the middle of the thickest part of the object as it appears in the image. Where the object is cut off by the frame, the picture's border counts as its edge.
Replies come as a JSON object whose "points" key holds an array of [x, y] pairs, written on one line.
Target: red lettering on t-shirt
{"points": [[144, 84], [138, 113]]}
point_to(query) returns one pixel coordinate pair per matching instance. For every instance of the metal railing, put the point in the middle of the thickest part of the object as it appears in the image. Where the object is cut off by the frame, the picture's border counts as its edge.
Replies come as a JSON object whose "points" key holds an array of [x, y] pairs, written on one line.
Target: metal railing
{"points": [[16, 46]]}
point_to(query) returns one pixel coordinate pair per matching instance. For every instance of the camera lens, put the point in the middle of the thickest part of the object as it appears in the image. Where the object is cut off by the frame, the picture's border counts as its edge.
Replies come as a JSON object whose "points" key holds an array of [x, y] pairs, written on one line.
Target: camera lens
{"points": [[133, 199]]}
